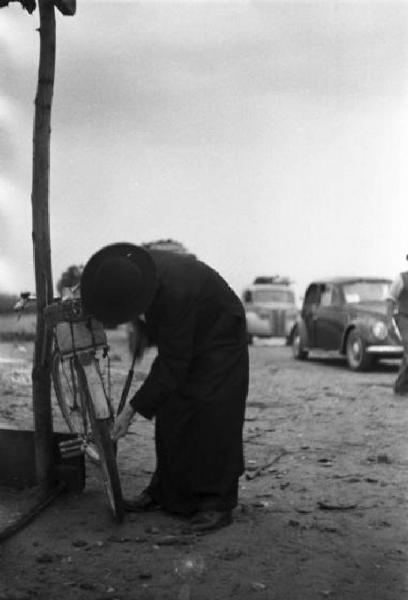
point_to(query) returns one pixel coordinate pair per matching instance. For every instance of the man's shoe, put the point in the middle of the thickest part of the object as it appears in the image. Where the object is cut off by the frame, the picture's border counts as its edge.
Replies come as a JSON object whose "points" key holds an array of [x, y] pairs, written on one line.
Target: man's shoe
{"points": [[210, 520], [142, 503]]}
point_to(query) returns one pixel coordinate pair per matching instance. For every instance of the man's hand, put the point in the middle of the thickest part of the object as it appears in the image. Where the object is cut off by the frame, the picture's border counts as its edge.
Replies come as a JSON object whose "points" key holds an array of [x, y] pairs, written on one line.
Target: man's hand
{"points": [[122, 423]]}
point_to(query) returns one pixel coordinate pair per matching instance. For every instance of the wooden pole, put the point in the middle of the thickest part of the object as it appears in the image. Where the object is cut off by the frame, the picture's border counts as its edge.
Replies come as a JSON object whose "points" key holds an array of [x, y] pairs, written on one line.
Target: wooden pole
{"points": [[43, 431]]}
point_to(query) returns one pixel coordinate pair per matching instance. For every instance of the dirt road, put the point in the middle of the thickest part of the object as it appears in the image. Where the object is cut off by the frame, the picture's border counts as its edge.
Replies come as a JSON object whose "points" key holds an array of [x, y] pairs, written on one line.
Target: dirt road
{"points": [[323, 505]]}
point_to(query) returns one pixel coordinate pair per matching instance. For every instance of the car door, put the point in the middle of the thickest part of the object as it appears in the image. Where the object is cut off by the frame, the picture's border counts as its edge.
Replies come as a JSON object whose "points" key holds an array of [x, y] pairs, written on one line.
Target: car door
{"points": [[310, 305], [329, 319]]}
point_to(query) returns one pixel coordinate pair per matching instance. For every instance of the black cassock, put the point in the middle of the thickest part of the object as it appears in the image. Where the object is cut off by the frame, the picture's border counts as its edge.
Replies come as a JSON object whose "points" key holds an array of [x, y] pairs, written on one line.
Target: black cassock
{"points": [[197, 386]]}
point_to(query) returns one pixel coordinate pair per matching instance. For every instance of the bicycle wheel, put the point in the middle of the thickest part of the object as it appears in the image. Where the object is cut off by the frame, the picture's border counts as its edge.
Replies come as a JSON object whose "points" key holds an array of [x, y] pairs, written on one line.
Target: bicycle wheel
{"points": [[106, 449], [71, 401]]}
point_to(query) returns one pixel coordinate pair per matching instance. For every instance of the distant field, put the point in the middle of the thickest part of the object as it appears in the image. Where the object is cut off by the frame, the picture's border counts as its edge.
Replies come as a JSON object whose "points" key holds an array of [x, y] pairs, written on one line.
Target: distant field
{"points": [[14, 328]]}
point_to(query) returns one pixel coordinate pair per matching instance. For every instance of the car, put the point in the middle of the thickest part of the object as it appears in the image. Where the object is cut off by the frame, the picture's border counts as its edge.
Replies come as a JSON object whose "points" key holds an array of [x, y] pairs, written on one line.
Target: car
{"points": [[347, 315], [270, 308]]}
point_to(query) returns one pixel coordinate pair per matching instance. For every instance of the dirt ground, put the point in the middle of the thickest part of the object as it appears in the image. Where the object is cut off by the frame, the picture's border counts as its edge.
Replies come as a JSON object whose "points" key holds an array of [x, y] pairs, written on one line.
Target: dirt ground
{"points": [[323, 503]]}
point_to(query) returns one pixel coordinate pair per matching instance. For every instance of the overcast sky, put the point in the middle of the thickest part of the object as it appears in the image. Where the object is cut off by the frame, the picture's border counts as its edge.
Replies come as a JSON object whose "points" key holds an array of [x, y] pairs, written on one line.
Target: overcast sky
{"points": [[266, 137]]}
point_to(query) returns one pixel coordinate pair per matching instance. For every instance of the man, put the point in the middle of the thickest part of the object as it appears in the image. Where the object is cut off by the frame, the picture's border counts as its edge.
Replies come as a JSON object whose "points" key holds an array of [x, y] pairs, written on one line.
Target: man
{"points": [[197, 386], [397, 304]]}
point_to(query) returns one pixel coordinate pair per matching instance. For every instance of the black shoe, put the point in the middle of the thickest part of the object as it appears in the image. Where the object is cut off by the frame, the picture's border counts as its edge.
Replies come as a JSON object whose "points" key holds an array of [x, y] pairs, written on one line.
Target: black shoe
{"points": [[210, 520], [142, 503]]}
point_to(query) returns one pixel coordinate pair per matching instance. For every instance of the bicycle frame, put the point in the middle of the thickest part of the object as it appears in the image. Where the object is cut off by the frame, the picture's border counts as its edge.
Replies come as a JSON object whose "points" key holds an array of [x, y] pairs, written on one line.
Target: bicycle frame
{"points": [[81, 336], [79, 339]]}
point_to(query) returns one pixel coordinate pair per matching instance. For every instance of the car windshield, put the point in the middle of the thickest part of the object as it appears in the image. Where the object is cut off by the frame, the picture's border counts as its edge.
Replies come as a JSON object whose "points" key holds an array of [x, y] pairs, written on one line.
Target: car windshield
{"points": [[366, 291], [284, 296]]}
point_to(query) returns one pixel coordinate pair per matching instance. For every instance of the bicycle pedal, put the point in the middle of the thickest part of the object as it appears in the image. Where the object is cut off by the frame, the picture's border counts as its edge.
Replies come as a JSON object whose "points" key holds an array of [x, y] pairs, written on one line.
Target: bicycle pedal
{"points": [[72, 453], [71, 448], [78, 441], [76, 454]]}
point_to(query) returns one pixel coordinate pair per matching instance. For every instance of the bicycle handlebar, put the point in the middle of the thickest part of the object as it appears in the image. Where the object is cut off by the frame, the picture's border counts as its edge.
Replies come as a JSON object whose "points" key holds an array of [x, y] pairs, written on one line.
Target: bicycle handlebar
{"points": [[69, 295], [27, 298]]}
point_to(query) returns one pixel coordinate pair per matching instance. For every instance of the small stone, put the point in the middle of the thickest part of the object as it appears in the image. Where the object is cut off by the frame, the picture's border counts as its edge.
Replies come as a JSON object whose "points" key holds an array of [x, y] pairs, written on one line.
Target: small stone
{"points": [[152, 529], [293, 523], [257, 586], [45, 558], [384, 459], [85, 585], [118, 540], [79, 543], [260, 504]]}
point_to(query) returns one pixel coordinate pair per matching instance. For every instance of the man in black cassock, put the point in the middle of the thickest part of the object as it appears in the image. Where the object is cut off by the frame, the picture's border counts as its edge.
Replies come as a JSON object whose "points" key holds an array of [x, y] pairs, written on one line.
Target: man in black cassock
{"points": [[197, 386]]}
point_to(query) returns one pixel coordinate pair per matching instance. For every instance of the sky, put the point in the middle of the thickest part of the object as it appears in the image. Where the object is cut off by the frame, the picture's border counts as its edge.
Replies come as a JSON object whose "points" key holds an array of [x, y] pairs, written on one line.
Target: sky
{"points": [[267, 137]]}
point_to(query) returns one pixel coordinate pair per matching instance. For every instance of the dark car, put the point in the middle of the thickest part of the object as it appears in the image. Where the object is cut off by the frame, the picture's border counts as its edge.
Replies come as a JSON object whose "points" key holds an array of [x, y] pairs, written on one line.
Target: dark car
{"points": [[347, 315]]}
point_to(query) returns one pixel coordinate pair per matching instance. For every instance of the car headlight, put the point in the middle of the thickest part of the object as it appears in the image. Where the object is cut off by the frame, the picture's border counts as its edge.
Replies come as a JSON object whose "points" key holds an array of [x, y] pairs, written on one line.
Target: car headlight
{"points": [[380, 330]]}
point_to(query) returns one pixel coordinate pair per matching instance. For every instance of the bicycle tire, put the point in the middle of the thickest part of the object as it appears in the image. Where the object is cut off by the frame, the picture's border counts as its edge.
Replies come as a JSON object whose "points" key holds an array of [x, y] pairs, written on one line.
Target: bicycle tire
{"points": [[72, 406], [107, 453]]}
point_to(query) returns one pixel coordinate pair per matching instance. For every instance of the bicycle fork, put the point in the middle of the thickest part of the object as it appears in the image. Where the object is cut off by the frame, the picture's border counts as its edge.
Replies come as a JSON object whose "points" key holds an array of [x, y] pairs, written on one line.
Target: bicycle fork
{"points": [[89, 378]]}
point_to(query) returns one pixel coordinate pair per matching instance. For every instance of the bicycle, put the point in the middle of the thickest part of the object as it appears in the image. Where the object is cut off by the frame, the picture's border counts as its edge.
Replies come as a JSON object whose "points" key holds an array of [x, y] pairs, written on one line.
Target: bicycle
{"points": [[82, 387]]}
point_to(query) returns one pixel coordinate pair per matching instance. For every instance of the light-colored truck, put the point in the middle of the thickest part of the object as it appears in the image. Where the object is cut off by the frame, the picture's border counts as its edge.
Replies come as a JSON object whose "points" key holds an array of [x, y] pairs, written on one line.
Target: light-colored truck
{"points": [[270, 308]]}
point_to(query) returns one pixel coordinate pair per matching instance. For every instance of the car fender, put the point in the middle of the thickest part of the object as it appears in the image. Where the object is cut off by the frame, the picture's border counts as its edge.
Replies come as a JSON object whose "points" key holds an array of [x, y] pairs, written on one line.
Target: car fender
{"points": [[358, 325], [346, 332]]}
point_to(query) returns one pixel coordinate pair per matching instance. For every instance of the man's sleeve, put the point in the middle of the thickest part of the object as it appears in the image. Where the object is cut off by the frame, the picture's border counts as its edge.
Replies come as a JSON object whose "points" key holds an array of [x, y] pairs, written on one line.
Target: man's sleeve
{"points": [[170, 368]]}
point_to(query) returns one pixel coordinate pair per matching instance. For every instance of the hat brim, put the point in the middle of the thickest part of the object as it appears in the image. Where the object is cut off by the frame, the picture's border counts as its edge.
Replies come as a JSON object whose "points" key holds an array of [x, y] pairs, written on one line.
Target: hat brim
{"points": [[95, 305]]}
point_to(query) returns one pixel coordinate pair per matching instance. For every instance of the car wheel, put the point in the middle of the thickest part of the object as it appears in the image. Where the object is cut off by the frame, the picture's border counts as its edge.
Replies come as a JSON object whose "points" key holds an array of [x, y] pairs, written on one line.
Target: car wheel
{"points": [[357, 357], [298, 349]]}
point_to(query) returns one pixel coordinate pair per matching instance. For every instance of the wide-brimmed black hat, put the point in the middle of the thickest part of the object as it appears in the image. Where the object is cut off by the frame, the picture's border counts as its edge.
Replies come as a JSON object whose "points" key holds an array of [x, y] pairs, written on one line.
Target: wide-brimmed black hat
{"points": [[118, 283]]}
